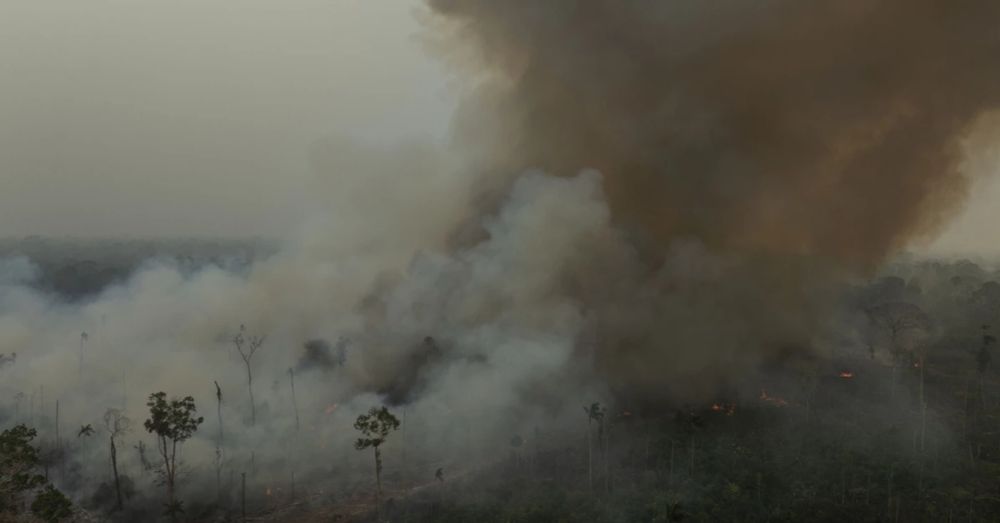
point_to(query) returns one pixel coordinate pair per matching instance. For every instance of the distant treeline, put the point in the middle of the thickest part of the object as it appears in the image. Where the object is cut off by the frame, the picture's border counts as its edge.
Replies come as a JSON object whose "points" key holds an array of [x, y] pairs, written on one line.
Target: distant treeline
{"points": [[74, 269]]}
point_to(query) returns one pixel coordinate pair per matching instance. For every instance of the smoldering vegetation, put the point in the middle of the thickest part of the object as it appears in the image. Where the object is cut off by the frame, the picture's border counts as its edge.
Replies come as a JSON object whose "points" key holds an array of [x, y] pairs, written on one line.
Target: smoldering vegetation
{"points": [[887, 416], [685, 220]]}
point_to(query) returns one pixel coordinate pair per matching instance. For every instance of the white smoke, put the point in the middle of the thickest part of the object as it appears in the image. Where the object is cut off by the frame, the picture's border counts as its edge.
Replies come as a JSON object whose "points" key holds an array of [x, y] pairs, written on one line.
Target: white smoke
{"points": [[498, 309]]}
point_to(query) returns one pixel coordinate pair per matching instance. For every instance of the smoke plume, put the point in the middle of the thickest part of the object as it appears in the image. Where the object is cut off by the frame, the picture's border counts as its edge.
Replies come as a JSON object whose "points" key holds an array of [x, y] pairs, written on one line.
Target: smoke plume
{"points": [[826, 129], [754, 154]]}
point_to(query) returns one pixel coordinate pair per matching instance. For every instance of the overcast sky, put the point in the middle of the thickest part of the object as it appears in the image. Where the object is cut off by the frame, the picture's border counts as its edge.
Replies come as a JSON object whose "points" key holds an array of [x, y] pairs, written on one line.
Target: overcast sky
{"points": [[194, 117]]}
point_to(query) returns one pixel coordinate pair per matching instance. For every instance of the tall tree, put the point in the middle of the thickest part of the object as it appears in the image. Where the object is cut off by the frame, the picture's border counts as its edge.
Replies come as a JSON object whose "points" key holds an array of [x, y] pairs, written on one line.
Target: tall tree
{"points": [[117, 425], [172, 422], [984, 358], [595, 413], [83, 341], [904, 325], [18, 398], [218, 444], [295, 404], [247, 347], [375, 428]]}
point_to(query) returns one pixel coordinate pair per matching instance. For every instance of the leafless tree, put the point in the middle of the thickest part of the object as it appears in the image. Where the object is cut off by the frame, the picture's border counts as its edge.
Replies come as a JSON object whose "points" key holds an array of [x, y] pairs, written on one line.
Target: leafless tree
{"points": [[116, 425], [219, 444], [295, 404], [905, 326], [594, 413], [247, 347], [83, 341]]}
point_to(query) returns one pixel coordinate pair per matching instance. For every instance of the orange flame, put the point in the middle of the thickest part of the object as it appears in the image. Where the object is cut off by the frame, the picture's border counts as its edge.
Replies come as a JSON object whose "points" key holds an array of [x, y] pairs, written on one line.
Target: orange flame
{"points": [[846, 374], [727, 408], [268, 492], [779, 402], [330, 408]]}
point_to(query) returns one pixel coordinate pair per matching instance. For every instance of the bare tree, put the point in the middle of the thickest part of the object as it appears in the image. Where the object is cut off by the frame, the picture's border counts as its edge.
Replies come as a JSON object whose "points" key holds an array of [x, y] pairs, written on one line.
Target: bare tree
{"points": [[594, 413], [247, 347], [144, 464], [984, 359], [58, 444], [904, 325], [295, 404], [18, 398], [218, 398], [218, 445], [83, 341], [116, 425]]}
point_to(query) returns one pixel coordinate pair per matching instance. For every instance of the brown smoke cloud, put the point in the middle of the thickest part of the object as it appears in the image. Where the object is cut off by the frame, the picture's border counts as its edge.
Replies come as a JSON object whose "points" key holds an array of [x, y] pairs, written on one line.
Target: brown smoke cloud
{"points": [[754, 154], [780, 128]]}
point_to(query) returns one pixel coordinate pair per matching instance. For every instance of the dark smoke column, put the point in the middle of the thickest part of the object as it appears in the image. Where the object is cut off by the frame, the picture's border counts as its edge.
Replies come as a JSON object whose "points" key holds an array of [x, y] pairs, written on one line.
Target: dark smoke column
{"points": [[778, 128]]}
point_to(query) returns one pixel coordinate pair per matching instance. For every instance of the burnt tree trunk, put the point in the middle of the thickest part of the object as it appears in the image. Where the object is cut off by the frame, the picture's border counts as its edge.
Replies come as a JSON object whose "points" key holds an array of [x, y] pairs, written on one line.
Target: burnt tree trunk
{"points": [[114, 469]]}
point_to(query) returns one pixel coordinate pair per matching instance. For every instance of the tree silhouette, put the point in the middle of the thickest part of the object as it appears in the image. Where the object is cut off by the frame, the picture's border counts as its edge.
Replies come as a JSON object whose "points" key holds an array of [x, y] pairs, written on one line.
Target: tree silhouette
{"points": [[117, 425], [18, 461], [219, 443], [18, 398], [905, 325], [143, 460], [984, 358], [83, 341], [247, 347], [375, 428], [594, 413], [172, 422], [85, 431]]}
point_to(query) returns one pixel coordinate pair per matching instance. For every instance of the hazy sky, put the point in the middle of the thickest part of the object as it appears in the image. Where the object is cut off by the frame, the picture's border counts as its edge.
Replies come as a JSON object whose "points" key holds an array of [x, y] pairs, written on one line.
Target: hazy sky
{"points": [[132, 117], [145, 117]]}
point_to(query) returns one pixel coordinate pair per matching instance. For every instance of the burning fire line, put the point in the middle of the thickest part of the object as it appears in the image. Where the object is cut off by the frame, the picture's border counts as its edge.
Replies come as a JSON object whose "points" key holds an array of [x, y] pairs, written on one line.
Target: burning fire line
{"points": [[846, 374], [724, 408], [774, 400]]}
